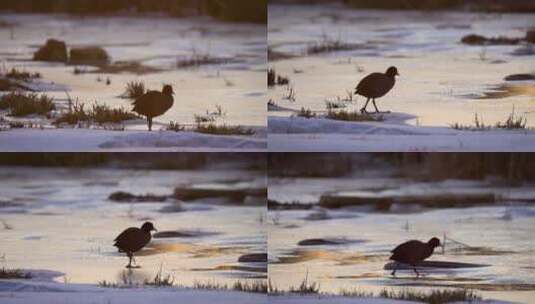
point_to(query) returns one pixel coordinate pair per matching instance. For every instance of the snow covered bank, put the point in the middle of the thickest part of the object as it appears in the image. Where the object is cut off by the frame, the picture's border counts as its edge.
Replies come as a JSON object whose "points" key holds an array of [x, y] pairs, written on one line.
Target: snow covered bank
{"points": [[296, 299], [50, 292], [291, 299], [42, 289], [391, 135], [74, 140]]}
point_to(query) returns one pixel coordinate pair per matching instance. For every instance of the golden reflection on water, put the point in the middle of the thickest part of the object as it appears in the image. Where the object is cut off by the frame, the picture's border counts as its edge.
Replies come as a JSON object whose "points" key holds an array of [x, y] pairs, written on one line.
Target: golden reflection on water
{"points": [[196, 251], [300, 255], [508, 90]]}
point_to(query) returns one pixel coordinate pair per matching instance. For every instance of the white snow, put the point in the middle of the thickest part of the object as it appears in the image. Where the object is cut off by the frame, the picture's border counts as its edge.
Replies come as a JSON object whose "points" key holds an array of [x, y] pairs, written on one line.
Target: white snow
{"points": [[291, 299], [297, 299], [42, 289], [298, 134], [51, 292], [77, 140]]}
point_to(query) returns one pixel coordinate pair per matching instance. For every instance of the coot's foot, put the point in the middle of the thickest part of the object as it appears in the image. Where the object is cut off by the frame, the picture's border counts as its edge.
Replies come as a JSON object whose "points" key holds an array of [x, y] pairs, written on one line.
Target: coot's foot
{"points": [[132, 266]]}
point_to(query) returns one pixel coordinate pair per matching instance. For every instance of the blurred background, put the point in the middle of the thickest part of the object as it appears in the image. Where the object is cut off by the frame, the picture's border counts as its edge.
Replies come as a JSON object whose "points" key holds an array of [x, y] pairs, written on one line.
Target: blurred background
{"points": [[477, 5], [230, 10]]}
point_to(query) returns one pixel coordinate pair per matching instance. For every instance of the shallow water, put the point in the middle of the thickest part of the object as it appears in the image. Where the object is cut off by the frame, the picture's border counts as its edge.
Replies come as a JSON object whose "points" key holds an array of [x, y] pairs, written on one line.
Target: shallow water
{"points": [[156, 42], [441, 80], [64, 222], [500, 236]]}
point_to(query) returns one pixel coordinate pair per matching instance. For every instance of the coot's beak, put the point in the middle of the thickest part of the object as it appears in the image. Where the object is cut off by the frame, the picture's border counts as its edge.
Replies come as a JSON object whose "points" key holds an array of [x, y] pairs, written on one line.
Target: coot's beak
{"points": [[397, 74], [154, 229]]}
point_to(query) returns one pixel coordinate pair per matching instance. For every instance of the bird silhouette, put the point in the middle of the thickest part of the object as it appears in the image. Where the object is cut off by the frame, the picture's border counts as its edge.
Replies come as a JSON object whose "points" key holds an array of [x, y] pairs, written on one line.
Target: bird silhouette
{"points": [[133, 239], [376, 85], [413, 252], [154, 103]]}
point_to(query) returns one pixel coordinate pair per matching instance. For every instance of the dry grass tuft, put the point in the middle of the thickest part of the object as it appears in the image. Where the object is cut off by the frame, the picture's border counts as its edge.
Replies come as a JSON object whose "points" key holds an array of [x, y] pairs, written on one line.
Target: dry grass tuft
{"points": [[14, 274], [99, 113], [134, 89], [212, 128], [352, 116], [306, 113], [22, 104]]}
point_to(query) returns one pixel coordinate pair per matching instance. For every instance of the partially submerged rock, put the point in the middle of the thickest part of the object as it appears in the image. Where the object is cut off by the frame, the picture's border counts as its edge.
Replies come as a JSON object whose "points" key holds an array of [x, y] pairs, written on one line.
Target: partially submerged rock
{"points": [[327, 241], [126, 197], [384, 201], [518, 77], [525, 50], [89, 55], [182, 234], [276, 55], [320, 215], [474, 39], [7, 204], [530, 36], [125, 67], [53, 50], [234, 194], [253, 258], [275, 205]]}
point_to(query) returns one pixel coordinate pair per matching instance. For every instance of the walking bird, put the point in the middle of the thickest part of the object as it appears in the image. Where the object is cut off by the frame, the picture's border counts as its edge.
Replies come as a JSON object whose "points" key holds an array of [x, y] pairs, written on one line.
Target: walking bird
{"points": [[133, 239], [413, 252], [154, 103], [376, 85]]}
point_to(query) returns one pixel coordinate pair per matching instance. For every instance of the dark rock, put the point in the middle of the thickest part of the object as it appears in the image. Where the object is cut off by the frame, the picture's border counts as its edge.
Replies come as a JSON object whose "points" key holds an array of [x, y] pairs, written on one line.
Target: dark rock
{"points": [[233, 194], [530, 36], [276, 55], [89, 55], [125, 197], [383, 201], [253, 258], [320, 215], [274, 205], [327, 241], [182, 234], [474, 39], [53, 50], [172, 208], [516, 77], [7, 204], [526, 50]]}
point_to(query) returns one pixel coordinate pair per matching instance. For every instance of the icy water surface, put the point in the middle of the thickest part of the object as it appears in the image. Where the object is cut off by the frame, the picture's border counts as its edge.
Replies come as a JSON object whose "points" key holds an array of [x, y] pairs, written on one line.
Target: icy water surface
{"points": [[499, 236], [441, 80], [62, 220], [157, 42]]}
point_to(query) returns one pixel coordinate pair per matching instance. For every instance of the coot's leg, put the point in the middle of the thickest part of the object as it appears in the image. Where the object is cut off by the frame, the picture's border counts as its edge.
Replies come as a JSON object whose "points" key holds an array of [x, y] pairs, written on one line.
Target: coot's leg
{"points": [[416, 271], [363, 110], [394, 272], [375, 106], [129, 260], [150, 123], [134, 259]]}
